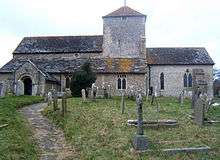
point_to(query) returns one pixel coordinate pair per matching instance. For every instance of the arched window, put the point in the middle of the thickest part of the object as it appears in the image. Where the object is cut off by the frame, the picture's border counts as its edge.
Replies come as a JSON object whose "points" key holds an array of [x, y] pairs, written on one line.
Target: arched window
{"points": [[190, 80], [123, 83], [119, 83], [162, 81], [67, 82], [185, 80]]}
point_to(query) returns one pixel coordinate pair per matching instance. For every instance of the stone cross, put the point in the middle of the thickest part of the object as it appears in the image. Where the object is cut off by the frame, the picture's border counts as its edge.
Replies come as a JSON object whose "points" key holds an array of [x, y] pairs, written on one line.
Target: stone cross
{"points": [[122, 103], [140, 142], [83, 95]]}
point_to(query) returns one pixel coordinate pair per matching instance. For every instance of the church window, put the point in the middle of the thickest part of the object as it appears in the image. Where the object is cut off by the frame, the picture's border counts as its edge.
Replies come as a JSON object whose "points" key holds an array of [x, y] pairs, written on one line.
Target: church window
{"points": [[67, 82], [122, 82], [187, 79], [190, 80], [162, 81], [124, 18]]}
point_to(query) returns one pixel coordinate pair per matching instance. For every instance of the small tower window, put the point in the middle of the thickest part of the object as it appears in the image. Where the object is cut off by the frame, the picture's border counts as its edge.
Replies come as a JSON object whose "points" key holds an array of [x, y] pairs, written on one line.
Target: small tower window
{"points": [[162, 81], [124, 18], [185, 80], [190, 80]]}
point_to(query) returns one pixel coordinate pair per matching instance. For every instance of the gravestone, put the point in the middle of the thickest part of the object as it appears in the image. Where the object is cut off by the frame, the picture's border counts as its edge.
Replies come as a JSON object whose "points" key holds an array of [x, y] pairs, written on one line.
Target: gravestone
{"points": [[64, 104], [93, 91], [199, 110], [147, 96], [83, 95], [109, 91], [19, 88], [122, 103], [55, 101], [199, 85], [140, 142], [181, 97], [49, 98], [2, 90]]}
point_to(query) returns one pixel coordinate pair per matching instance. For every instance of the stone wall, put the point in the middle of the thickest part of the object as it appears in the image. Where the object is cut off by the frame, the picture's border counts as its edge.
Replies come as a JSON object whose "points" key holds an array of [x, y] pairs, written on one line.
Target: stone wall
{"points": [[138, 81], [124, 37], [7, 79], [173, 76]]}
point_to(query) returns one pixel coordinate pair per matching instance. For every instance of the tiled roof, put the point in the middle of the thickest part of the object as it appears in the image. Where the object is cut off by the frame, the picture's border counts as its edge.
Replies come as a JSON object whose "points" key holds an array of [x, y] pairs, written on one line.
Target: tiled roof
{"points": [[125, 11], [60, 44], [107, 65], [179, 56]]}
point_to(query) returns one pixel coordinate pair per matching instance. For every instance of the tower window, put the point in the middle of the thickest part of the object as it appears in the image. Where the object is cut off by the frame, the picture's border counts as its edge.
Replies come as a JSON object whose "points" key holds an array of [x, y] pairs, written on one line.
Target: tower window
{"points": [[162, 81], [124, 18], [122, 82]]}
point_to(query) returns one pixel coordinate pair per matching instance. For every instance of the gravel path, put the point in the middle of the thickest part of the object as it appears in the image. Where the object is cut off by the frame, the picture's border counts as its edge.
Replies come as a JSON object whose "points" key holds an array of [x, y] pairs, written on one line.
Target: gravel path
{"points": [[50, 139]]}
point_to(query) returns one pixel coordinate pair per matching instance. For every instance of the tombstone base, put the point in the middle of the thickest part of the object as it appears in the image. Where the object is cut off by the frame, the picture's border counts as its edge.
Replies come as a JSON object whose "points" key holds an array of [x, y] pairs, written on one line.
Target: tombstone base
{"points": [[140, 143]]}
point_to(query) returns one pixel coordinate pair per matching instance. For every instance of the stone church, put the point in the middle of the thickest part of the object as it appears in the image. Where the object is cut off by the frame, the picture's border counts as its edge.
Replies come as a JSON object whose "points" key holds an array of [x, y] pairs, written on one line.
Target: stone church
{"points": [[119, 57]]}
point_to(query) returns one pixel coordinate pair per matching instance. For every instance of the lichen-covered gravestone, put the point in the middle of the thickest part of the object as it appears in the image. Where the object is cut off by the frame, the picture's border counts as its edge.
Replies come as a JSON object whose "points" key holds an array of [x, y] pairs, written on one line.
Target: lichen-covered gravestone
{"points": [[49, 98], [140, 142], [83, 95], [122, 103]]}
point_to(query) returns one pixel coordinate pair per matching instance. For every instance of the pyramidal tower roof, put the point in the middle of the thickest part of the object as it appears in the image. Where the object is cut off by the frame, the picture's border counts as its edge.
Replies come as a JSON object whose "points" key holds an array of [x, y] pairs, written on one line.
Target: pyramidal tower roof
{"points": [[125, 11]]}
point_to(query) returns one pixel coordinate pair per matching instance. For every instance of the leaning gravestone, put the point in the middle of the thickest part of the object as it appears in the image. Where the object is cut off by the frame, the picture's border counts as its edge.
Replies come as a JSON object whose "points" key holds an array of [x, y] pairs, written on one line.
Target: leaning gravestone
{"points": [[199, 110], [19, 88], [199, 85], [83, 95], [140, 142]]}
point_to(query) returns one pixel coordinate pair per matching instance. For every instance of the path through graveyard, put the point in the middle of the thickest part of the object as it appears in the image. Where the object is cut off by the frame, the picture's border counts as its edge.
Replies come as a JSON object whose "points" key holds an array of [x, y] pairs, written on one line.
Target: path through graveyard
{"points": [[50, 139]]}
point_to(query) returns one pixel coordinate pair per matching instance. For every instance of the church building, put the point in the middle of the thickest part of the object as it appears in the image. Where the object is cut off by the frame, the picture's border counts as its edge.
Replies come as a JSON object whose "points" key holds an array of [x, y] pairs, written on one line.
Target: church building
{"points": [[119, 57]]}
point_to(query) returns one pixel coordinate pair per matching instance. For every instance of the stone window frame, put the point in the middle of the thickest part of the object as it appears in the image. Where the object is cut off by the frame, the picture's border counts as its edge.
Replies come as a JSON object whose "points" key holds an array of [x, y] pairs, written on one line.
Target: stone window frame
{"points": [[187, 79], [162, 81], [120, 79]]}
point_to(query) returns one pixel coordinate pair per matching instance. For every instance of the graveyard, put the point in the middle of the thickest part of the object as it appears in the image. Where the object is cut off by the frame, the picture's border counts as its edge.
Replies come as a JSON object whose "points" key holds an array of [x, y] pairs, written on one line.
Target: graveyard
{"points": [[99, 128]]}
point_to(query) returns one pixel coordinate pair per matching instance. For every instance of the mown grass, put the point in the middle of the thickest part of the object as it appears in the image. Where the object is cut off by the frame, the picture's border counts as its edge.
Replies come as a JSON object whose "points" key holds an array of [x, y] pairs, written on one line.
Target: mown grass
{"points": [[98, 130], [15, 139]]}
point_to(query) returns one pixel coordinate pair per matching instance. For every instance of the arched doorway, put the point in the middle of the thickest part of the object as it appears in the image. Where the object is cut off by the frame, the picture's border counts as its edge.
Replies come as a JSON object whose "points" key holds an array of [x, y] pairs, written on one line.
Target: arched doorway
{"points": [[27, 85]]}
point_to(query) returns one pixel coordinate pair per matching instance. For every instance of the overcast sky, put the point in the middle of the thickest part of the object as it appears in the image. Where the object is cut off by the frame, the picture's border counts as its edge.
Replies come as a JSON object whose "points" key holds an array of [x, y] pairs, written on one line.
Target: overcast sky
{"points": [[170, 23]]}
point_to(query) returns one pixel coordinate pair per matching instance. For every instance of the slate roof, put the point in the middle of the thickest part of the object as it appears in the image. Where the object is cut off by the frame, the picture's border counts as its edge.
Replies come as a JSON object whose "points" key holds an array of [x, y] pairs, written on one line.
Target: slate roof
{"points": [[179, 56], [60, 44], [125, 11], [107, 65]]}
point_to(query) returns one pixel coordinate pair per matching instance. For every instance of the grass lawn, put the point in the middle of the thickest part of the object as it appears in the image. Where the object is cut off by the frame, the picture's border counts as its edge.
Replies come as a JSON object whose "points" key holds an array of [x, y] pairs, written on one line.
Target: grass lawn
{"points": [[15, 141], [98, 130]]}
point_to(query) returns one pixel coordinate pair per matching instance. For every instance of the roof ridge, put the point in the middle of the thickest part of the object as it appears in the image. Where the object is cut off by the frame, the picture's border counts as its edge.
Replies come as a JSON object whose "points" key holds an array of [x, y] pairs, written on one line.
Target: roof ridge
{"points": [[63, 36]]}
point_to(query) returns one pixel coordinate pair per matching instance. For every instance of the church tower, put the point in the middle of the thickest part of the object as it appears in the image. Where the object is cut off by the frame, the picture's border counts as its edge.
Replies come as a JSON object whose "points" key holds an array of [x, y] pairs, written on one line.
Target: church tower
{"points": [[124, 34]]}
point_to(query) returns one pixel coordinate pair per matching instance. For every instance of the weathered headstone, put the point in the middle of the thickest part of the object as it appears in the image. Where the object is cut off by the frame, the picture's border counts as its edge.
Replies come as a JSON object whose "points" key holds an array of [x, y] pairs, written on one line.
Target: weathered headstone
{"points": [[199, 111], [109, 91], [140, 142], [49, 98], [93, 91], [19, 88], [199, 85], [122, 103], [83, 95], [2, 90], [181, 97], [55, 101]]}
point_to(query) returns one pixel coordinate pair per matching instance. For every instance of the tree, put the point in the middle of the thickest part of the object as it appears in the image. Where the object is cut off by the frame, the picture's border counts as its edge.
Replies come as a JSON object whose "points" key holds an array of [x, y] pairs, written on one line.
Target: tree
{"points": [[82, 79]]}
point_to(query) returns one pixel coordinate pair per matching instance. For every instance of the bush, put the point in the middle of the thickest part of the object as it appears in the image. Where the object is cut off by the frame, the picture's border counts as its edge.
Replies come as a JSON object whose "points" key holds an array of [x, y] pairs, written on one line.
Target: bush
{"points": [[82, 79]]}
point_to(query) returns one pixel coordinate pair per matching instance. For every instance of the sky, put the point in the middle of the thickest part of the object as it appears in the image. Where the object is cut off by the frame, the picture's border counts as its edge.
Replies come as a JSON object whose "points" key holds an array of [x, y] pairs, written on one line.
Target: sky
{"points": [[170, 23]]}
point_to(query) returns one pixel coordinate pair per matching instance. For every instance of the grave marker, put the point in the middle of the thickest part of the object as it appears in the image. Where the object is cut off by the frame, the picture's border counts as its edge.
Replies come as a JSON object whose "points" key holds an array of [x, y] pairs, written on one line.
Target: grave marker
{"points": [[199, 111], [83, 95], [122, 103], [55, 101], [140, 142]]}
